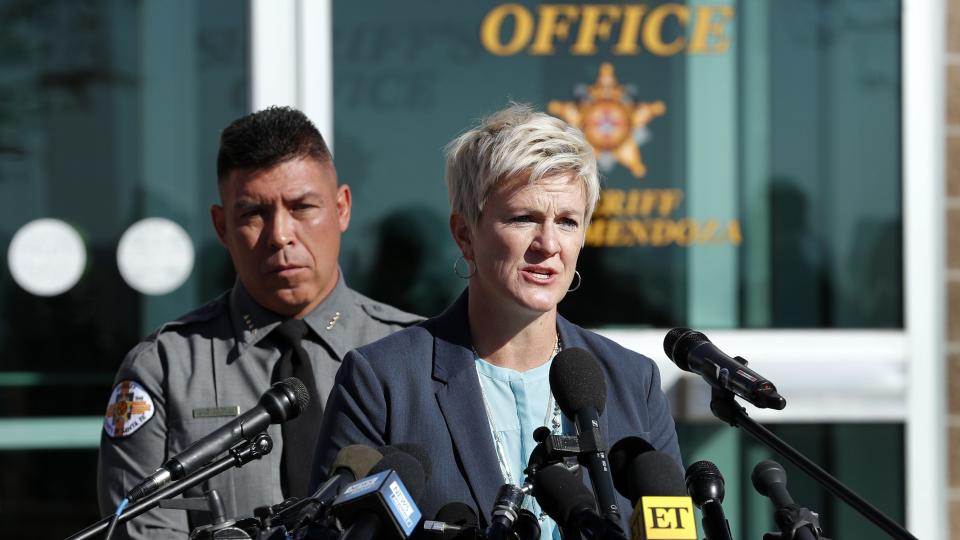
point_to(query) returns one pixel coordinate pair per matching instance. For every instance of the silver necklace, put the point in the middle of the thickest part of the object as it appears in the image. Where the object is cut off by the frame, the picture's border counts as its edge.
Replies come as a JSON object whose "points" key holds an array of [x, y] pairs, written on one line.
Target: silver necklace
{"points": [[552, 419]]}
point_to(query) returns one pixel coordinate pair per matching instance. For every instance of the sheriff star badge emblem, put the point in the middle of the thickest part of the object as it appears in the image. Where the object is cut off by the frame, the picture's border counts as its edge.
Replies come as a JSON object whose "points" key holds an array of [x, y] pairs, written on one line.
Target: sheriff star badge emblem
{"points": [[612, 120]]}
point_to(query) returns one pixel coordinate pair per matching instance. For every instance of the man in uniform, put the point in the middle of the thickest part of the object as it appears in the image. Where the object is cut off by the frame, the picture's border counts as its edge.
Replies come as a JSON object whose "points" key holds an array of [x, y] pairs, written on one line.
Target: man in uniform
{"points": [[281, 215]]}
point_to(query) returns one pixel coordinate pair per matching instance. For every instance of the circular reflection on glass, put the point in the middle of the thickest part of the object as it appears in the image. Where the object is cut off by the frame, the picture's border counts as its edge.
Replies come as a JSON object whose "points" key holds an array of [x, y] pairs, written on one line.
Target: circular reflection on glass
{"points": [[46, 257], [155, 256]]}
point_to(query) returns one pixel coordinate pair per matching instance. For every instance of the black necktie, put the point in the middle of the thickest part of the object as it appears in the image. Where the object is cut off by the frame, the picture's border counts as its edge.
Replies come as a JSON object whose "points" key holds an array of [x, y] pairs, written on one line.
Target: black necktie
{"points": [[300, 434]]}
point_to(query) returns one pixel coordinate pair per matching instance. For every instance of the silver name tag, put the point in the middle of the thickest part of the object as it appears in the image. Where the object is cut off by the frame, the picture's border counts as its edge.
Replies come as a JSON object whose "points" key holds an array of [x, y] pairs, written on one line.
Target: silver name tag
{"points": [[217, 412]]}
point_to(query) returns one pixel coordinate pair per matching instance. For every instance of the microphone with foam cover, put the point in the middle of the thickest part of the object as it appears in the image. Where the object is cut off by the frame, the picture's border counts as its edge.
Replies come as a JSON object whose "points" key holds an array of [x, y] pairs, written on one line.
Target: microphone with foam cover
{"points": [[705, 486], [382, 505], [454, 521], [578, 385], [416, 451], [457, 513], [661, 508], [621, 455], [527, 526], [352, 462], [565, 499]]}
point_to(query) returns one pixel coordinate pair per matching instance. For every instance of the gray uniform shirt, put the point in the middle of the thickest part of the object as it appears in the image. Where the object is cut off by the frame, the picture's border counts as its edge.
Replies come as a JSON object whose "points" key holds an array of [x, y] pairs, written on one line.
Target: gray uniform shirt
{"points": [[199, 372]]}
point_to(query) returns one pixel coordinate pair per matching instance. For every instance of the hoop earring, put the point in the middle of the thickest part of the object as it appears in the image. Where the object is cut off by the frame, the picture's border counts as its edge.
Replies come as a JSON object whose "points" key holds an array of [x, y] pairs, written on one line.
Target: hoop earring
{"points": [[576, 274], [456, 268]]}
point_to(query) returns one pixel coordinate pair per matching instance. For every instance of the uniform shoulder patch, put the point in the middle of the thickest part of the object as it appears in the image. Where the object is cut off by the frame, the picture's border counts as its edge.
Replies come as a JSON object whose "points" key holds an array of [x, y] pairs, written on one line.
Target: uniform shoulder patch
{"points": [[129, 408]]}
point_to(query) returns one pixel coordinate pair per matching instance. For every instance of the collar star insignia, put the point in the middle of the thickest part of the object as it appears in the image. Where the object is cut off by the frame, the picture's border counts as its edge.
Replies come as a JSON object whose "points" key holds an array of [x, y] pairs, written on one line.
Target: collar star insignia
{"points": [[333, 320], [612, 120]]}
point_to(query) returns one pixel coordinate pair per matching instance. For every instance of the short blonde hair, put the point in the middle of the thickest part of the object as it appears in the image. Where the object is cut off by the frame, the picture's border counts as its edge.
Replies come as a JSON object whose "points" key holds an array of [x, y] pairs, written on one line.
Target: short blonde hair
{"points": [[512, 143]]}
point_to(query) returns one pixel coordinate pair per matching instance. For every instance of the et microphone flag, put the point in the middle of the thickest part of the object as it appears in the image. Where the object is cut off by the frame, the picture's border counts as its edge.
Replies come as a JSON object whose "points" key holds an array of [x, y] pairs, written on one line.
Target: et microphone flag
{"points": [[665, 518]]}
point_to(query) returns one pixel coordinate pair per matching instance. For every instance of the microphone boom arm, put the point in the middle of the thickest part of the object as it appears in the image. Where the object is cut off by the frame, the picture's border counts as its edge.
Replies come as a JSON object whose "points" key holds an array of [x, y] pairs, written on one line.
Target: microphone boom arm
{"points": [[238, 456], [725, 407]]}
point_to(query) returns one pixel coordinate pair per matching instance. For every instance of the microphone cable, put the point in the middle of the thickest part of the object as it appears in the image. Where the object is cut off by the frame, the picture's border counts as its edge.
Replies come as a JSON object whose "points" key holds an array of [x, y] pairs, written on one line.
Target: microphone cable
{"points": [[116, 516]]}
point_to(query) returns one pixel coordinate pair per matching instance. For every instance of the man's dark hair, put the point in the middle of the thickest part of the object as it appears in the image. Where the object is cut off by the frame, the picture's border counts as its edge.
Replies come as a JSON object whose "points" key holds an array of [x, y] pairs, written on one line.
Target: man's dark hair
{"points": [[266, 138]]}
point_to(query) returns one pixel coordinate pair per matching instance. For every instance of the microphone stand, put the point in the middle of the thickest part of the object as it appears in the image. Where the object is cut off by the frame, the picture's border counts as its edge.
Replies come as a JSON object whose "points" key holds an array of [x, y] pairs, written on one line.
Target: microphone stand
{"points": [[725, 407], [238, 456]]}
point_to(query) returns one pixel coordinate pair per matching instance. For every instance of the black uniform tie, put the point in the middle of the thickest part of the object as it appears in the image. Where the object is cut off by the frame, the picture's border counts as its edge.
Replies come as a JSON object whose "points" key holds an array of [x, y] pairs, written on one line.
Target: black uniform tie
{"points": [[300, 434]]}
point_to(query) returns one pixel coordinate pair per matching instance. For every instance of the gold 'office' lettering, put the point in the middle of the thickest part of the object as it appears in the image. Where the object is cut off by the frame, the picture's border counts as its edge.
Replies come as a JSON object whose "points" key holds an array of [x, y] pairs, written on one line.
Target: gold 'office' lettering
{"points": [[509, 29], [555, 22], [596, 22], [493, 23], [653, 29], [630, 30], [708, 26]]}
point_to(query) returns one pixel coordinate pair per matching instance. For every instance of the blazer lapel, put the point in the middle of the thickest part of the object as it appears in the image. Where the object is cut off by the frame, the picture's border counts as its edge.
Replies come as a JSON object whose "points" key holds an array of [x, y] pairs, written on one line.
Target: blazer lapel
{"points": [[461, 404]]}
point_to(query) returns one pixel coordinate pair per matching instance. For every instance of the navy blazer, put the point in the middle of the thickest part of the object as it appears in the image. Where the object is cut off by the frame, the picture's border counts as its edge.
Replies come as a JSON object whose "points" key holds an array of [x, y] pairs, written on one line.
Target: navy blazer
{"points": [[420, 385]]}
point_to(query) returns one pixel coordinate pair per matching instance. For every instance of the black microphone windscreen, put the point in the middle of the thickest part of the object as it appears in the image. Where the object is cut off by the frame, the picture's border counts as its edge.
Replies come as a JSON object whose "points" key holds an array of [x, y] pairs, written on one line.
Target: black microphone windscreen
{"points": [[577, 382], [767, 473], [560, 492], [671, 339], [300, 393], [654, 474], [409, 470], [356, 458], [415, 450], [704, 483], [457, 513], [621, 455], [679, 342]]}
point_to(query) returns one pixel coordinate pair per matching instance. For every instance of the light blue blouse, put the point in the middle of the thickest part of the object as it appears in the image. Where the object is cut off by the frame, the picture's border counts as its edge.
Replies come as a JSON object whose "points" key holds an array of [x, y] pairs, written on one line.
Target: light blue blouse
{"points": [[518, 402]]}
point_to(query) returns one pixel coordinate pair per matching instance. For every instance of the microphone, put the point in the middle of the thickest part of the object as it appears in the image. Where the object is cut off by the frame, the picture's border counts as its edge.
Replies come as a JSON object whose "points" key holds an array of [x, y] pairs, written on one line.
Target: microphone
{"points": [[415, 450], [706, 487], [581, 392], [283, 401], [692, 351], [454, 521], [770, 480], [621, 456], [526, 526], [661, 507], [565, 499], [382, 505], [352, 462], [505, 511]]}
